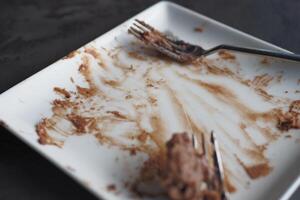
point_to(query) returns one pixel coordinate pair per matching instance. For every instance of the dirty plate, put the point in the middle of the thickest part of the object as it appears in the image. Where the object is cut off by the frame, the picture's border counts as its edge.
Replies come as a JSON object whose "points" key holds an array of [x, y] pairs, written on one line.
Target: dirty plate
{"points": [[101, 111]]}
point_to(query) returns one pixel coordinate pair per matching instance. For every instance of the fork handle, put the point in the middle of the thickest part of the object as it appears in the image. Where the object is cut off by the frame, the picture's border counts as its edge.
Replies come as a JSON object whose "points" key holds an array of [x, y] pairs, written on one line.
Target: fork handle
{"points": [[288, 56]]}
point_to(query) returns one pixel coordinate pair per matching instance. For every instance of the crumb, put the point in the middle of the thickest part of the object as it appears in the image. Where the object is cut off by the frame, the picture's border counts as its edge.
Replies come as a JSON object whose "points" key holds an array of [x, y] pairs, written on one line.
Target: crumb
{"points": [[286, 92], [199, 29], [265, 61], [288, 136], [150, 85], [62, 91], [132, 151], [111, 188], [297, 91], [226, 55], [71, 79]]}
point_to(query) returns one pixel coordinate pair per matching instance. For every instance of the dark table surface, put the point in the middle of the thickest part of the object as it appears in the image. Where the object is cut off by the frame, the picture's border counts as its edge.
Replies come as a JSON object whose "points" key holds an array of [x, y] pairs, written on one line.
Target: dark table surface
{"points": [[35, 33]]}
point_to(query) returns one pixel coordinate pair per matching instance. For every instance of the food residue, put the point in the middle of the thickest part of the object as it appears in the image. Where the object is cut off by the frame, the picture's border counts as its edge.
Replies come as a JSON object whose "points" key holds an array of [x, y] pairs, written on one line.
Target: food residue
{"points": [[62, 91], [258, 170], [291, 119], [186, 175], [111, 188], [261, 81], [199, 29], [157, 97], [226, 55], [265, 61]]}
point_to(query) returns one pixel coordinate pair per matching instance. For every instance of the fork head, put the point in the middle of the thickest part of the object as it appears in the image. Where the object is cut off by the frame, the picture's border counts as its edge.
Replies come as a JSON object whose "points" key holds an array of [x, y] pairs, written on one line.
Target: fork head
{"points": [[176, 49]]}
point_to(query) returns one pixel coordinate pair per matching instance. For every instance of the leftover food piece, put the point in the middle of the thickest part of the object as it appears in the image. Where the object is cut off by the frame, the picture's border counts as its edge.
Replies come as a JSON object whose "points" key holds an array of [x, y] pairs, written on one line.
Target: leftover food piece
{"points": [[111, 187], [290, 119], [186, 175], [199, 29]]}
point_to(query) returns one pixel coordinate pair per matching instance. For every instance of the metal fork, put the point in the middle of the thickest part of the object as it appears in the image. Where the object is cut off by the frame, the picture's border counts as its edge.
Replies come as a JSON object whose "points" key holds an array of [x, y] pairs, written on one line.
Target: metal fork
{"points": [[185, 52], [216, 160]]}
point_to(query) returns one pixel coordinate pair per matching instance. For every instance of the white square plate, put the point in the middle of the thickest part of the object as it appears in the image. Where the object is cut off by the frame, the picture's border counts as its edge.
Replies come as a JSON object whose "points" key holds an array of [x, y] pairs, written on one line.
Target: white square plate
{"points": [[95, 166]]}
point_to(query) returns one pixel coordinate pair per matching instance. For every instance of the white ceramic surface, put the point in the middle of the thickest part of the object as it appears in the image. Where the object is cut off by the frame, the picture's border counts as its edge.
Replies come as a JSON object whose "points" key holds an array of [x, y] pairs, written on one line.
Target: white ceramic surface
{"points": [[93, 165]]}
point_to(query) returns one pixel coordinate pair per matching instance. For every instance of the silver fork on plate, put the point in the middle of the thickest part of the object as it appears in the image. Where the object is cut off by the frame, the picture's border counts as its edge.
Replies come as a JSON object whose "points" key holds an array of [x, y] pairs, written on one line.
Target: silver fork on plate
{"points": [[217, 160], [185, 52]]}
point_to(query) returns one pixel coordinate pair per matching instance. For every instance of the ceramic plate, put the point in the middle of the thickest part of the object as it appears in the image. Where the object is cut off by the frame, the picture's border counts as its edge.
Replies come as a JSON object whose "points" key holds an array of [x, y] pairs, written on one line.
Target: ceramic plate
{"points": [[105, 108]]}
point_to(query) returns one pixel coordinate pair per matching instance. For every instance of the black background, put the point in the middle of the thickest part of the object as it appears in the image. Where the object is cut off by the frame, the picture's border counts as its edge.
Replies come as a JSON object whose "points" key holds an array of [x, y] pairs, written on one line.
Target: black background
{"points": [[35, 33]]}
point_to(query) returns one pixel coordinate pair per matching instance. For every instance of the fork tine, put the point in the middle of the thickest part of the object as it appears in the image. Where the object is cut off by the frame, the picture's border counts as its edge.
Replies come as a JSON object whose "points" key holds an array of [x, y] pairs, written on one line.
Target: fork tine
{"points": [[139, 34], [145, 25], [217, 154], [219, 164], [136, 30], [141, 27], [165, 45], [136, 33]]}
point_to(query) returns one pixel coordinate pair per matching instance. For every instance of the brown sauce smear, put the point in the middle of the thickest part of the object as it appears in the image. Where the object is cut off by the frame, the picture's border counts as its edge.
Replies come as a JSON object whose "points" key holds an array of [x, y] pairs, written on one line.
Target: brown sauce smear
{"points": [[228, 185], [117, 114], [261, 81], [96, 54], [44, 138], [255, 171], [87, 92], [69, 106], [226, 55], [136, 55], [259, 170], [80, 123], [62, 91]]}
